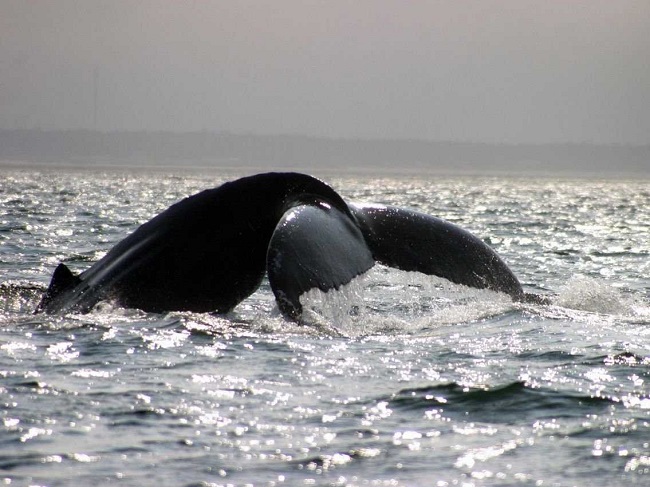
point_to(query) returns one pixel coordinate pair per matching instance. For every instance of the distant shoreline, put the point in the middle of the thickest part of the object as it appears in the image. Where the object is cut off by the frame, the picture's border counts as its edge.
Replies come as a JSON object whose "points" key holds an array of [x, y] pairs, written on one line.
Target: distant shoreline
{"points": [[234, 153], [321, 172]]}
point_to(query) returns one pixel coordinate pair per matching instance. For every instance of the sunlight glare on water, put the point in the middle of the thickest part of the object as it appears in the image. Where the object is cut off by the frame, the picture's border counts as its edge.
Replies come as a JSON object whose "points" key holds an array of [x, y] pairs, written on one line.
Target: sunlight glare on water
{"points": [[398, 379]]}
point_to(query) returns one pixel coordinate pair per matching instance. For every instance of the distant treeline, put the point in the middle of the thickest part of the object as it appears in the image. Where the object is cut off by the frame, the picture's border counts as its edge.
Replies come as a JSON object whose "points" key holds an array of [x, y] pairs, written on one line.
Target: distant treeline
{"points": [[233, 150]]}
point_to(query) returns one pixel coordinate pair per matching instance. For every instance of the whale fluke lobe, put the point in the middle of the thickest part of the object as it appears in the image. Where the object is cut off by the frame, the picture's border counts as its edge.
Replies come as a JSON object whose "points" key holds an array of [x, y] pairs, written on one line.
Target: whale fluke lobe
{"points": [[413, 241], [314, 246], [211, 250]]}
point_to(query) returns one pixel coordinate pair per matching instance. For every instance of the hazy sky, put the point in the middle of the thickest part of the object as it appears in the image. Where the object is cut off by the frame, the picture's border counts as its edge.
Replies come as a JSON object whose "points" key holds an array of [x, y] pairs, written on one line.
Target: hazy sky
{"points": [[484, 70]]}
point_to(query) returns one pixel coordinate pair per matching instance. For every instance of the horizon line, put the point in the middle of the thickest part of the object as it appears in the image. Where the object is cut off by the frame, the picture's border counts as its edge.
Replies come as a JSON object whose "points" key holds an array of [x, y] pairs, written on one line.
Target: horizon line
{"points": [[326, 137]]}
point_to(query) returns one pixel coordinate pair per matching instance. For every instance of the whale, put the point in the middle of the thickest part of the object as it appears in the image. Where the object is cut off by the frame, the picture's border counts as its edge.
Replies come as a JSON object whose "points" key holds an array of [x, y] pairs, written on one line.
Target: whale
{"points": [[211, 250]]}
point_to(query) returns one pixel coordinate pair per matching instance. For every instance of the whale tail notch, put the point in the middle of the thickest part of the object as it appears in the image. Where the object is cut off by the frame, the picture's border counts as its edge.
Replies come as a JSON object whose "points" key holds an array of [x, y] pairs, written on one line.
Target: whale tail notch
{"points": [[62, 280]]}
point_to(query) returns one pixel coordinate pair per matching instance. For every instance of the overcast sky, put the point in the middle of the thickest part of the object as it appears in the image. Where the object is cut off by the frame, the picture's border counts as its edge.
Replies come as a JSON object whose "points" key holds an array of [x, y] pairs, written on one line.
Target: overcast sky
{"points": [[484, 70]]}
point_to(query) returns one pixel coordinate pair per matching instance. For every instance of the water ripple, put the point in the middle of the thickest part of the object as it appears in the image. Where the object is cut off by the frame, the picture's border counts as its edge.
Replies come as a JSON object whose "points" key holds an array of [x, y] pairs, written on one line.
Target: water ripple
{"points": [[400, 380]]}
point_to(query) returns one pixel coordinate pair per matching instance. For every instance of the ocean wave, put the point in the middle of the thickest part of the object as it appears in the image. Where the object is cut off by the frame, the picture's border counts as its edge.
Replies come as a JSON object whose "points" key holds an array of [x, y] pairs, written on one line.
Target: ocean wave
{"points": [[509, 403]]}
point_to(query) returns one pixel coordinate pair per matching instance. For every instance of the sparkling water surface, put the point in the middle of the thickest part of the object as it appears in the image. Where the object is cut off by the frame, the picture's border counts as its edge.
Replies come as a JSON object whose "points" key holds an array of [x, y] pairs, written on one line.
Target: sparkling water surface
{"points": [[400, 379]]}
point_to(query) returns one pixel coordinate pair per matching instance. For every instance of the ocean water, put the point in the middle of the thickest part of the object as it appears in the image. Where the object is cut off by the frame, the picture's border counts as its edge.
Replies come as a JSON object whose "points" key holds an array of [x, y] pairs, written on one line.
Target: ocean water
{"points": [[399, 379]]}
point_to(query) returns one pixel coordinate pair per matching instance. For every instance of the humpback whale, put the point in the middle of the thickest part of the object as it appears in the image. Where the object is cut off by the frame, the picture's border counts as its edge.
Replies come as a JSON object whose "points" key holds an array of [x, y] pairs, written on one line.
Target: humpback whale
{"points": [[211, 250]]}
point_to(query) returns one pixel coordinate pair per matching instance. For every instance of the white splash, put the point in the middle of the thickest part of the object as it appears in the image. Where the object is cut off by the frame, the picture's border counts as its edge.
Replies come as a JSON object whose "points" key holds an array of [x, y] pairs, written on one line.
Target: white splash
{"points": [[386, 300], [597, 296]]}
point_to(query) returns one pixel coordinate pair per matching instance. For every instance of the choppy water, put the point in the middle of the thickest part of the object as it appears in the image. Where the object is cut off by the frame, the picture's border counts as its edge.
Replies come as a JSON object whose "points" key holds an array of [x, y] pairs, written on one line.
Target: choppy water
{"points": [[401, 380]]}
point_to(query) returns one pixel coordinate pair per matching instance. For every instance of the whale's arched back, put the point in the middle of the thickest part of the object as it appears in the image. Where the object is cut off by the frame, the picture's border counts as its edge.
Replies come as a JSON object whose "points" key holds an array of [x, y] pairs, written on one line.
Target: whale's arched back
{"points": [[204, 253]]}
